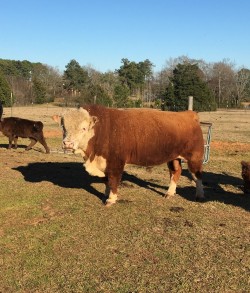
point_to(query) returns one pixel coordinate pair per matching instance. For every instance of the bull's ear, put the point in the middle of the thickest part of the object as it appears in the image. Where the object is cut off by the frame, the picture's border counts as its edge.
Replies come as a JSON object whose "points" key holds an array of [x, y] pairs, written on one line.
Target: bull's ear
{"points": [[57, 118], [93, 121]]}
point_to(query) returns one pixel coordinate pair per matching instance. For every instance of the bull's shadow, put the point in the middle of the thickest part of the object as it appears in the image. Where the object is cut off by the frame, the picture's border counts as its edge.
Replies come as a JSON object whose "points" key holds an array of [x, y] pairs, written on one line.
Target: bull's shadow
{"points": [[219, 187], [213, 189], [73, 175], [67, 175]]}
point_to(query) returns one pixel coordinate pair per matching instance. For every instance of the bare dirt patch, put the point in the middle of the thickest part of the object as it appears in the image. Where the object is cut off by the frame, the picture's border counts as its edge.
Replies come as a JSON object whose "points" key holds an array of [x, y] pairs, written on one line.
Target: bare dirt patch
{"points": [[231, 146], [52, 133]]}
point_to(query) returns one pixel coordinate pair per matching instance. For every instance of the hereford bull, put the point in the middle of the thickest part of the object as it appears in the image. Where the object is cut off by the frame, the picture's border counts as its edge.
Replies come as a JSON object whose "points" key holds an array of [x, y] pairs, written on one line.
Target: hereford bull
{"points": [[109, 138], [245, 166], [14, 127]]}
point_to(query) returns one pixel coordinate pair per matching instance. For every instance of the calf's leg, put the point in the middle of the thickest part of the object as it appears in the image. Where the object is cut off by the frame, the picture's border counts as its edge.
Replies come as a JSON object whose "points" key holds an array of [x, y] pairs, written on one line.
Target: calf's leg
{"points": [[15, 141], [10, 141], [43, 142], [32, 143]]}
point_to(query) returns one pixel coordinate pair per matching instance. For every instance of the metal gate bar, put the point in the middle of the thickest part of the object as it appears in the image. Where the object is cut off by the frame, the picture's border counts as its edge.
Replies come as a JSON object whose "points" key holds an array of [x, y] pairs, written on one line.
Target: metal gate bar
{"points": [[207, 141]]}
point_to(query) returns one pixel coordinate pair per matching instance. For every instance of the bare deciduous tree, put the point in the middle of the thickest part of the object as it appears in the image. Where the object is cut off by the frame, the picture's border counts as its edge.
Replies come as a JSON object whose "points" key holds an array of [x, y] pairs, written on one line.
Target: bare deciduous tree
{"points": [[223, 82], [242, 79]]}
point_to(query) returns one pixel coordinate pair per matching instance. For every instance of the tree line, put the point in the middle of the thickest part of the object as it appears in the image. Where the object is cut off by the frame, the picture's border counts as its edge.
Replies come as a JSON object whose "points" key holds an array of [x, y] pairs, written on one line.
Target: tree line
{"points": [[134, 84]]}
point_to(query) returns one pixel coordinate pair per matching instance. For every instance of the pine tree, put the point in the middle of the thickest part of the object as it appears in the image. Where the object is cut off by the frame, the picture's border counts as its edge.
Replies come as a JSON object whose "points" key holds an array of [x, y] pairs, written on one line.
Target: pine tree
{"points": [[5, 91], [75, 77], [187, 81], [39, 91]]}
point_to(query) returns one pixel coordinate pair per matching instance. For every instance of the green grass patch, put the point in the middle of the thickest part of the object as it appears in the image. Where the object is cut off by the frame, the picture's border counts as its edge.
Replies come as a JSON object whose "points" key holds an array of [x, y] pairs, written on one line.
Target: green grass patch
{"points": [[57, 236]]}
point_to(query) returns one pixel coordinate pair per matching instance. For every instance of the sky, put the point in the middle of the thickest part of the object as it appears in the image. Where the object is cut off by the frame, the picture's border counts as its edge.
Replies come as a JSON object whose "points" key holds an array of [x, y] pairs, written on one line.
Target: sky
{"points": [[100, 33]]}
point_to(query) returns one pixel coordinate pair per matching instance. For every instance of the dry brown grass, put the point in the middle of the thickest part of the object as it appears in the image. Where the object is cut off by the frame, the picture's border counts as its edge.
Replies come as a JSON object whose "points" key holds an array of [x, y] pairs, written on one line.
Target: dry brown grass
{"points": [[57, 236]]}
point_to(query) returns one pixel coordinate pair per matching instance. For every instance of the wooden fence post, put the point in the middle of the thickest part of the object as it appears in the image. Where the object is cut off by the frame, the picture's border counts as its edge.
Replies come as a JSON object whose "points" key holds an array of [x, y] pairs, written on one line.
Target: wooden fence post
{"points": [[190, 103]]}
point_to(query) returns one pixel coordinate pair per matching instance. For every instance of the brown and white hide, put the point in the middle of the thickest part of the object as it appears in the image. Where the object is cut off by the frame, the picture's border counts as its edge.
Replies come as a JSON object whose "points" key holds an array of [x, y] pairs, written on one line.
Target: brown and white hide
{"points": [[109, 138]]}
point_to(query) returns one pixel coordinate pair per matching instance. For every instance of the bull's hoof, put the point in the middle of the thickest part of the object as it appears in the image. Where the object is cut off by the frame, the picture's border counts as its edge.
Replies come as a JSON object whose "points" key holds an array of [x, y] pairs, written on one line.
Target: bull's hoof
{"points": [[200, 199], [169, 195], [109, 204]]}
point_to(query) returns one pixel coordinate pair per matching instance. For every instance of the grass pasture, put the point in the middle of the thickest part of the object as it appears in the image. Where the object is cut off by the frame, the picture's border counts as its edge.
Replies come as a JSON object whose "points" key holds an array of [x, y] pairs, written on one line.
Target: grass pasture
{"points": [[57, 236]]}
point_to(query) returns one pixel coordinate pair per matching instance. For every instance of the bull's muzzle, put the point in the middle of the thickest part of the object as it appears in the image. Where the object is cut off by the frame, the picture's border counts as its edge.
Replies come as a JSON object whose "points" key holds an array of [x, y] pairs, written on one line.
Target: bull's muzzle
{"points": [[68, 144]]}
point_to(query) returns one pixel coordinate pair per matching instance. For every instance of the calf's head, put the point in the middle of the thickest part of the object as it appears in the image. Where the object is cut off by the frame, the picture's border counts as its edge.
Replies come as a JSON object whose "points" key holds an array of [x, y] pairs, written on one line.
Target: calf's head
{"points": [[78, 128]]}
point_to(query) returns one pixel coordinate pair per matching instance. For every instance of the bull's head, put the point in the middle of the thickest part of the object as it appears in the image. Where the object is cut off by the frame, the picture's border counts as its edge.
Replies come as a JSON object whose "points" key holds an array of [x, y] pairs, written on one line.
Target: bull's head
{"points": [[77, 126]]}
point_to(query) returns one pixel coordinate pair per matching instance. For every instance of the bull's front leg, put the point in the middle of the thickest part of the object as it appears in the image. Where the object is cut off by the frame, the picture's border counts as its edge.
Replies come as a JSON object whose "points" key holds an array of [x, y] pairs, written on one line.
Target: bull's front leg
{"points": [[112, 189], [114, 178]]}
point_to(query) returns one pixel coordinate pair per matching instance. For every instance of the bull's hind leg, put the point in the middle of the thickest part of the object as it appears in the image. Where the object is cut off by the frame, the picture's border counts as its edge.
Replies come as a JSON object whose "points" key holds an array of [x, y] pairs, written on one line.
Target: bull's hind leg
{"points": [[195, 167], [175, 173]]}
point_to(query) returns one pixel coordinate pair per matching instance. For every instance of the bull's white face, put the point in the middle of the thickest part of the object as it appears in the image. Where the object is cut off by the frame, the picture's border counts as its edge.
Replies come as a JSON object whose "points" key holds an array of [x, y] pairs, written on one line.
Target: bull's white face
{"points": [[78, 129]]}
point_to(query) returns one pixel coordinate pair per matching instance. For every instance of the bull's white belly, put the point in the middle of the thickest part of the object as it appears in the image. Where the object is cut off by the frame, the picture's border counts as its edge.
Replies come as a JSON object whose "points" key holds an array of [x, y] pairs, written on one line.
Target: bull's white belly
{"points": [[96, 167]]}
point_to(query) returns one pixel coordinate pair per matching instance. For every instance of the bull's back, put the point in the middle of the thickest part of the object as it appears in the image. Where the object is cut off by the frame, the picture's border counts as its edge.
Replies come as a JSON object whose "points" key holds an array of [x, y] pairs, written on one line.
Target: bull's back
{"points": [[147, 137], [157, 137]]}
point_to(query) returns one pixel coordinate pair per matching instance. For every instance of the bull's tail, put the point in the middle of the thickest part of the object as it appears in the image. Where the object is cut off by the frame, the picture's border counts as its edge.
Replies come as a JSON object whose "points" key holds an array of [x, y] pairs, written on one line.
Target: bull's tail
{"points": [[38, 126]]}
